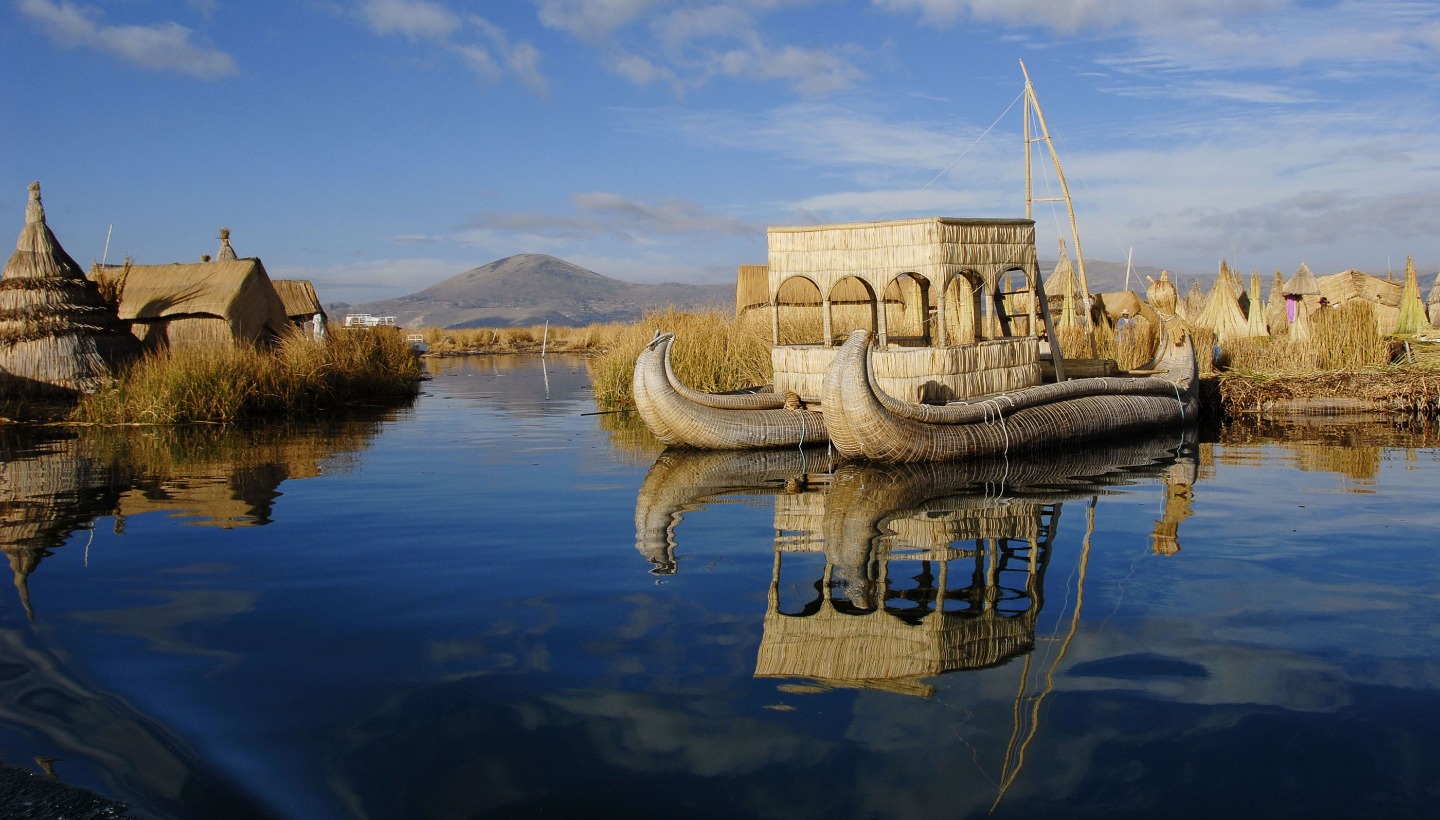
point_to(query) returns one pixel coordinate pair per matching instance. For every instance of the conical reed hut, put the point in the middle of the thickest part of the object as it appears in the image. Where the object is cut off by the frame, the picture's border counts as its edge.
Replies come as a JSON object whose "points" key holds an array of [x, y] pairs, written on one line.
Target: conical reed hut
{"points": [[58, 335], [1275, 317], [1221, 312], [1412, 310], [1193, 302], [1256, 313], [1296, 288]]}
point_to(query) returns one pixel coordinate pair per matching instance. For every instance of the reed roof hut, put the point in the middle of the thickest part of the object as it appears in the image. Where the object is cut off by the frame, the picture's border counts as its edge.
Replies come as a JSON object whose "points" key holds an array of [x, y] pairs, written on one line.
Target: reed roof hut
{"points": [[299, 299], [1256, 314], [220, 302], [1412, 317], [1221, 311], [58, 335], [1275, 306]]}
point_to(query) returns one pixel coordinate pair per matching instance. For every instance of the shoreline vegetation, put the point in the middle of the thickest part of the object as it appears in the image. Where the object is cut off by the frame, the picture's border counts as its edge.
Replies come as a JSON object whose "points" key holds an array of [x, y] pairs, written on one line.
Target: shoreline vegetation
{"points": [[233, 384], [1342, 366]]}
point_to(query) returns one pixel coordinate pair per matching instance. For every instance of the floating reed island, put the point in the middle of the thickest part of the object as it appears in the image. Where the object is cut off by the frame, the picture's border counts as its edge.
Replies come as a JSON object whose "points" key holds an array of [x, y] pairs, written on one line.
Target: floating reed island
{"points": [[1341, 343], [214, 341]]}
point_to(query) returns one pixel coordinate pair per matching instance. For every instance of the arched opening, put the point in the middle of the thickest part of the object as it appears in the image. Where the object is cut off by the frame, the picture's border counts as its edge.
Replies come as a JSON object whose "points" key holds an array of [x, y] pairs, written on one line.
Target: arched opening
{"points": [[907, 310], [798, 313], [964, 302], [852, 307]]}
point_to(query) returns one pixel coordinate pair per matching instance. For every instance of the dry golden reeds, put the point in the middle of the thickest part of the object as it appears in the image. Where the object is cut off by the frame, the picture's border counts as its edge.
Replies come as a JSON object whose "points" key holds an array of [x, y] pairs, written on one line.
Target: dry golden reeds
{"points": [[714, 352], [236, 383]]}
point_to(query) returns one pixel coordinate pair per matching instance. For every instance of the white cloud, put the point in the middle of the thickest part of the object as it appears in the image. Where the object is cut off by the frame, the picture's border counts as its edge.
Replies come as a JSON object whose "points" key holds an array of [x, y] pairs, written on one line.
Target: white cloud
{"points": [[162, 46], [481, 46], [415, 19], [591, 20]]}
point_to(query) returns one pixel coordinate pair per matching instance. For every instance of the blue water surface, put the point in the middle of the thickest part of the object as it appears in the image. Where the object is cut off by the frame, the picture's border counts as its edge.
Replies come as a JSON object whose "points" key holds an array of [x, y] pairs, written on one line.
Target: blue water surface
{"points": [[497, 603]]}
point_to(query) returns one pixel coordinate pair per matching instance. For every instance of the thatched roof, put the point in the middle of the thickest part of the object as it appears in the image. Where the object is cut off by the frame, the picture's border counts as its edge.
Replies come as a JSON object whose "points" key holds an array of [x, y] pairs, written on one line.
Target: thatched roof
{"points": [[237, 295], [1275, 316], [1256, 313], [57, 333], [1412, 318], [298, 296], [1302, 283], [1221, 312]]}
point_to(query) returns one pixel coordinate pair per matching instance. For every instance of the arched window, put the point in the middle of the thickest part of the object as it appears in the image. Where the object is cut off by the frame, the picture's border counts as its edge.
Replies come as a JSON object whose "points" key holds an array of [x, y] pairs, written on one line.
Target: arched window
{"points": [[907, 310], [797, 305]]}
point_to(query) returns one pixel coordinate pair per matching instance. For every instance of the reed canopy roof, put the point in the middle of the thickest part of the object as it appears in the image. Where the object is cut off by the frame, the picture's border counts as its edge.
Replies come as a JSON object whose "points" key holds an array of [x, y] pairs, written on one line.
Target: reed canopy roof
{"points": [[237, 292], [1303, 283], [875, 253], [299, 298]]}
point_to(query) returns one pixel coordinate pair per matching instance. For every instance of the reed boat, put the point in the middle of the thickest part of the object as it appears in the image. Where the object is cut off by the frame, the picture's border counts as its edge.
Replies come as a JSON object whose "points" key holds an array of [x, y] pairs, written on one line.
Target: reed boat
{"points": [[679, 415], [954, 308], [867, 423]]}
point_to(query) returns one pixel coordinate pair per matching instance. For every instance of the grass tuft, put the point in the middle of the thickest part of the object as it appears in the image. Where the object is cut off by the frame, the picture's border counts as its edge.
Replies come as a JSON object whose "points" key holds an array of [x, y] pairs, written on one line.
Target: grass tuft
{"points": [[228, 384]]}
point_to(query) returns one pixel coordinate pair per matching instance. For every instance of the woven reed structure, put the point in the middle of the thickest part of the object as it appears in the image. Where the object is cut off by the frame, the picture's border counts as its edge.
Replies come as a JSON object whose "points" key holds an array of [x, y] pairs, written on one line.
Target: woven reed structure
{"points": [[1255, 314], [202, 303], [1432, 303], [226, 253], [865, 423], [858, 262], [1222, 313], [1275, 317], [58, 336], [300, 302], [678, 415], [924, 287], [1412, 318]]}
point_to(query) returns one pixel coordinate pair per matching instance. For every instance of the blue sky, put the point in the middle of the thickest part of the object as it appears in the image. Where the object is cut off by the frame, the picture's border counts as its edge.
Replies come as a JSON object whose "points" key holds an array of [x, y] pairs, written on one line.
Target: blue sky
{"points": [[376, 147]]}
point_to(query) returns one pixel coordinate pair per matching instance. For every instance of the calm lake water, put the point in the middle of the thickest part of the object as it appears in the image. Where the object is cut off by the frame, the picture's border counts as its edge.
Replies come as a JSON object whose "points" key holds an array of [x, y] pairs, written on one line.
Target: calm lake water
{"points": [[495, 603]]}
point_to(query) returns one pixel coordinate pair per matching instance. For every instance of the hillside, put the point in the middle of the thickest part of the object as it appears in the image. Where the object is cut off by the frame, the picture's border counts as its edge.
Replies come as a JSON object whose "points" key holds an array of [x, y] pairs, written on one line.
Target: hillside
{"points": [[531, 289]]}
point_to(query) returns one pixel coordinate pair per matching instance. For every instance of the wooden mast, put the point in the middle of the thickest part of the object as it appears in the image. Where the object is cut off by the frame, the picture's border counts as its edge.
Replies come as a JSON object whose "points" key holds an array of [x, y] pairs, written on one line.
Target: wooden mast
{"points": [[1033, 102]]}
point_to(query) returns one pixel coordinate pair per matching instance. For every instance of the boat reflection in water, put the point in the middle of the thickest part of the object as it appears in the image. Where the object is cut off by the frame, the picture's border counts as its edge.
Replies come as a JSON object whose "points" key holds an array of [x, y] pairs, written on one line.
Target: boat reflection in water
{"points": [[923, 568]]}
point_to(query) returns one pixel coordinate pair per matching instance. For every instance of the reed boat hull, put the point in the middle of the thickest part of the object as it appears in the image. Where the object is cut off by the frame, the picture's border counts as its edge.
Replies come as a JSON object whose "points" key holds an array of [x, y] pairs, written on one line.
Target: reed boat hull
{"points": [[683, 417], [865, 423]]}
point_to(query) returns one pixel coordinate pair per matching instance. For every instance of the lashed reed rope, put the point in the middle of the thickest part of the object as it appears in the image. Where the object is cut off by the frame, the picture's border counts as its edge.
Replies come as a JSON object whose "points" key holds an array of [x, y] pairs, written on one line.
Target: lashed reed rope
{"points": [[864, 423]]}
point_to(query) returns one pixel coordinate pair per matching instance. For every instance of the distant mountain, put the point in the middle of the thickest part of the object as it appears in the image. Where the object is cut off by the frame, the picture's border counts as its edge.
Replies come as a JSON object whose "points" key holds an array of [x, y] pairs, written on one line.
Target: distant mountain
{"points": [[531, 289]]}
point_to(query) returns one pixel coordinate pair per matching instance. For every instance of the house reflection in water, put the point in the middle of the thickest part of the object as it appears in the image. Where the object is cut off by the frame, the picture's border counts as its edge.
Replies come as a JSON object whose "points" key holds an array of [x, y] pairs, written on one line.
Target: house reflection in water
{"points": [[911, 586], [52, 486], [885, 575]]}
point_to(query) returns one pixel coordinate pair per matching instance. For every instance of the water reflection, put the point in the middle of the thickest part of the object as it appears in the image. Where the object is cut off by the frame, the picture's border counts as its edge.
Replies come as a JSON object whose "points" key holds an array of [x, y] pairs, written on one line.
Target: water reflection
{"points": [[1354, 450], [885, 575], [54, 484]]}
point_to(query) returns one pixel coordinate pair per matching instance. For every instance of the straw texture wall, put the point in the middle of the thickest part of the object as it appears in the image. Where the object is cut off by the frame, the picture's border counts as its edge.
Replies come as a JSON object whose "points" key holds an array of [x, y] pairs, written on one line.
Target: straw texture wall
{"points": [[298, 298], [933, 247], [58, 336], [929, 375], [752, 288], [202, 303]]}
